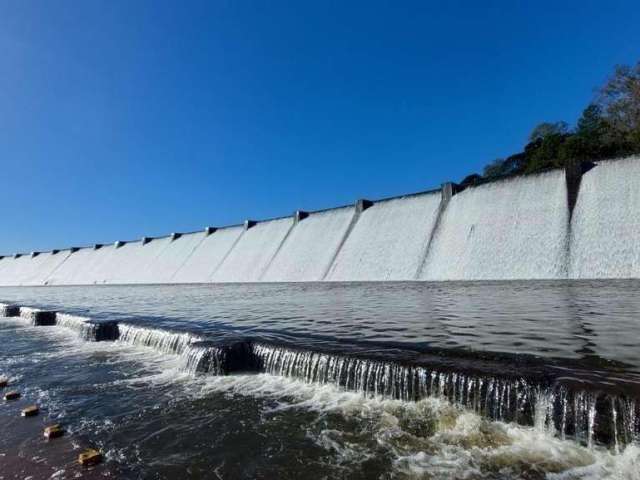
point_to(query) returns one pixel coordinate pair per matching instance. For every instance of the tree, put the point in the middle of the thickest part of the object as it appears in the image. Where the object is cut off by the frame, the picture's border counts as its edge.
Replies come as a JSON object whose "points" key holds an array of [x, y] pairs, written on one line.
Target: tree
{"points": [[608, 128], [494, 169], [620, 99], [546, 129], [544, 153], [591, 123]]}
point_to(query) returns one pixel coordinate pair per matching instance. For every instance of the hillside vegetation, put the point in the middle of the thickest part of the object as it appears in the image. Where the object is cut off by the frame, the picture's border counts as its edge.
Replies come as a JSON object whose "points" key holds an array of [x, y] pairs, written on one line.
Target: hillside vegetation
{"points": [[608, 128]]}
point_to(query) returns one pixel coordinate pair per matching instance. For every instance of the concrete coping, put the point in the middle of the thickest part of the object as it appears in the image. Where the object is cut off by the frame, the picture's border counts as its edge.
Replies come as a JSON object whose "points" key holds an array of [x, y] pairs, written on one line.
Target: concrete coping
{"points": [[74, 249], [145, 240], [17, 255], [97, 246], [249, 223], [34, 254], [119, 243], [209, 230], [175, 236], [53, 252]]}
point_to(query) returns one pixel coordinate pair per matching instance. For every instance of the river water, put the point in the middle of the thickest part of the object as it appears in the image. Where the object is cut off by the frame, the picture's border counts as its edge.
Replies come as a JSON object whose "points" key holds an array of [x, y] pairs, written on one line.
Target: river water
{"points": [[473, 380]]}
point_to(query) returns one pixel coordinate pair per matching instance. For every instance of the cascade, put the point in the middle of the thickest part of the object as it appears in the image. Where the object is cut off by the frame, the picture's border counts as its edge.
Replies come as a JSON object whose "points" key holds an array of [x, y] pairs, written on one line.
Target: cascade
{"points": [[605, 222], [163, 341], [307, 251], [207, 256], [585, 416], [250, 257], [388, 241], [85, 266], [509, 229]]}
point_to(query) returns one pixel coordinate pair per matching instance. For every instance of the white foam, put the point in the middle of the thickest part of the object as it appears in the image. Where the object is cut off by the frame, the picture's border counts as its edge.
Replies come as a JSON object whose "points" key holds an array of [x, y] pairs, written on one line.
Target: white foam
{"points": [[207, 256], [251, 256], [308, 250], [28, 270], [131, 262], [83, 267], [389, 240], [514, 229], [431, 437], [606, 222], [171, 258]]}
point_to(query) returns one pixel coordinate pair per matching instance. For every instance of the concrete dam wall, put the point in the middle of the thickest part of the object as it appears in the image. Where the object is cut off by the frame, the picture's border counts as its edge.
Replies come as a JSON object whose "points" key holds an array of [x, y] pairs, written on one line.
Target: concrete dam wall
{"points": [[553, 225]]}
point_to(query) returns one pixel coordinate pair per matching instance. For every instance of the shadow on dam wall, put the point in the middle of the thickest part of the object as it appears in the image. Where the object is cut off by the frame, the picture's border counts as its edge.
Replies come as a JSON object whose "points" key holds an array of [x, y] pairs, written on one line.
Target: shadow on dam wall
{"points": [[553, 225]]}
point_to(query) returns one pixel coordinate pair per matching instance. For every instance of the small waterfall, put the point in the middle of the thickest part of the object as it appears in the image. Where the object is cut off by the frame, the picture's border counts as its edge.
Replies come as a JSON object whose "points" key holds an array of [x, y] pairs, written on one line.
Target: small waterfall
{"points": [[8, 310], [587, 416], [87, 328], [220, 359], [76, 323], [163, 341], [196, 355], [582, 415]]}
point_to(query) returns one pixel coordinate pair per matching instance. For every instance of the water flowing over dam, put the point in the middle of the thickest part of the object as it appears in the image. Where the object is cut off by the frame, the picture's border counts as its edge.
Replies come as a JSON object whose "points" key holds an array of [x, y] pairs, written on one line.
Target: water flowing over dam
{"points": [[504, 230], [516, 228], [606, 223]]}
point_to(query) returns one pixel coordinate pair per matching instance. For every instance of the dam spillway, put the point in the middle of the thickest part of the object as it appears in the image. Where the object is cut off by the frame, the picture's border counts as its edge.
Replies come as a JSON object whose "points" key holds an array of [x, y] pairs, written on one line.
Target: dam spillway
{"points": [[515, 228], [606, 222]]}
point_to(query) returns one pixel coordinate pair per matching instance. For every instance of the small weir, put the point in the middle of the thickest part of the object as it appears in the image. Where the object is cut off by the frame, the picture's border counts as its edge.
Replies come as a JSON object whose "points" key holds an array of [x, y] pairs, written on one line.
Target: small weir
{"points": [[587, 415]]}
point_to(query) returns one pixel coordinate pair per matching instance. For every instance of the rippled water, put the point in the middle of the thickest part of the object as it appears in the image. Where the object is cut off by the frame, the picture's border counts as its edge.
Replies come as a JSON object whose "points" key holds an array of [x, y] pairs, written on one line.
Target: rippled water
{"points": [[155, 419], [579, 320]]}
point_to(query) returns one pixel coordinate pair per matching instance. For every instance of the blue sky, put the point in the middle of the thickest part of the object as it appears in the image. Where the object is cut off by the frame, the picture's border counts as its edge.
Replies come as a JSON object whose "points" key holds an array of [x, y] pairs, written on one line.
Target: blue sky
{"points": [[120, 119]]}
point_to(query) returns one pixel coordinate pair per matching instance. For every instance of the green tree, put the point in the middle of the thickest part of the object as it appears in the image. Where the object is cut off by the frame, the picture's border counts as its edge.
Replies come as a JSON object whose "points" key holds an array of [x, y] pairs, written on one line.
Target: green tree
{"points": [[494, 169], [620, 100], [545, 129], [591, 123], [544, 153]]}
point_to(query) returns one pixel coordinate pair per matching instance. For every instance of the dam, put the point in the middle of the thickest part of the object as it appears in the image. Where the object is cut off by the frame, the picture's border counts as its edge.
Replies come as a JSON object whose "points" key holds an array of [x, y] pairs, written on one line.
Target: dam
{"points": [[494, 323], [516, 228]]}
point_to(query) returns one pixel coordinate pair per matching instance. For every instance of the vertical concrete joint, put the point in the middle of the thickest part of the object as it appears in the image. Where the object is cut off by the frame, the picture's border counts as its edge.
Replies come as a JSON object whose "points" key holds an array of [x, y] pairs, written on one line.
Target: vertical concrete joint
{"points": [[573, 174], [362, 204], [447, 190], [299, 215]]}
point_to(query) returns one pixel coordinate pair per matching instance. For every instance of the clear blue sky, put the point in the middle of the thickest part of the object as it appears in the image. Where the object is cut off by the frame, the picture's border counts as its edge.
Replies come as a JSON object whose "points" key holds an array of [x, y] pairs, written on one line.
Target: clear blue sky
{"points": [[127, 118]]}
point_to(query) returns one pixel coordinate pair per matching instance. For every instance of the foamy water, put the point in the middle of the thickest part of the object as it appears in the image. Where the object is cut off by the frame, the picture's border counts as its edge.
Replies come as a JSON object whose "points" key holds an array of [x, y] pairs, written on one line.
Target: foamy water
{"points": [[344, 431]]}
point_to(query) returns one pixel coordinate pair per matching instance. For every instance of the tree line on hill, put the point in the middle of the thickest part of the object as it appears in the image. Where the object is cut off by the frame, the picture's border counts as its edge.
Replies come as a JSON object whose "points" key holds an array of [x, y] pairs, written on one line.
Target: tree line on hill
{"points": [[608, 128]]}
